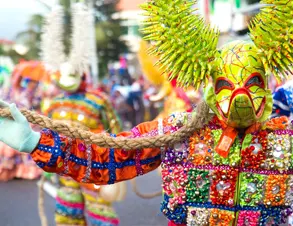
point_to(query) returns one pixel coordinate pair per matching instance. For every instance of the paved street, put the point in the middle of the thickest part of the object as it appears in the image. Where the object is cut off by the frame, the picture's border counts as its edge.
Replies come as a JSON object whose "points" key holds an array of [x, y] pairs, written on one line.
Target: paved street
{"points": [[18, 205]]}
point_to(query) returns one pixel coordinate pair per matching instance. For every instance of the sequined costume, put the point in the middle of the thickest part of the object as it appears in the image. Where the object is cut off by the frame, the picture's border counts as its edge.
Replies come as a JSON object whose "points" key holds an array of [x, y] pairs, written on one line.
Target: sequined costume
{"points": [[237, 169], [200, 183]]}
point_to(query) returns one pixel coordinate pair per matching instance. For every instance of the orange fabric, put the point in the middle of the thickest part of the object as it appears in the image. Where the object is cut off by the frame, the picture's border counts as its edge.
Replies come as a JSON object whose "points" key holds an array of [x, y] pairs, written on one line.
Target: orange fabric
{"points": [[146, 160], [253, 128], [278, 123], [227, 139]]}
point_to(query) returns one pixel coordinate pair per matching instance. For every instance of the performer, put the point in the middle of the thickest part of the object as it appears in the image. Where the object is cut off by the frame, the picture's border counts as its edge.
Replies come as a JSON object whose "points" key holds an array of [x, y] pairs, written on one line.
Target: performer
{"points": [[25, 92], [80, 107], [237, 169]]}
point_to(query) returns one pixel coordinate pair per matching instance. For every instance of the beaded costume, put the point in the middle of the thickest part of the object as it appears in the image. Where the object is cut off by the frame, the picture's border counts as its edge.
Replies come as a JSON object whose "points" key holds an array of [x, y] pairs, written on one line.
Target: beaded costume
{"points": [[237, 169], [89, 110]]}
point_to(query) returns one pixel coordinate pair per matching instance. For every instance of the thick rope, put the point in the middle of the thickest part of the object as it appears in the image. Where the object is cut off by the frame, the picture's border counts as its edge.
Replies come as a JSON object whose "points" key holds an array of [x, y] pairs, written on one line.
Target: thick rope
{"points": [[142, 195], [44, 220], [104, 140]]}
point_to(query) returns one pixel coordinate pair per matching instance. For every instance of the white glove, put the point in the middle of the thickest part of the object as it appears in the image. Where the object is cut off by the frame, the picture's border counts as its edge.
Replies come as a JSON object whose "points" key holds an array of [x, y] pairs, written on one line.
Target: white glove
{"points": [[17, 132]]}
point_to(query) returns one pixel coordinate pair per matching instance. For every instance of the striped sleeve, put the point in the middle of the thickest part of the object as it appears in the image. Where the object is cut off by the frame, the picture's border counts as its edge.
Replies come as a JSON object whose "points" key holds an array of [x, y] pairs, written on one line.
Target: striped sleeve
{"points": [[93, 164]]}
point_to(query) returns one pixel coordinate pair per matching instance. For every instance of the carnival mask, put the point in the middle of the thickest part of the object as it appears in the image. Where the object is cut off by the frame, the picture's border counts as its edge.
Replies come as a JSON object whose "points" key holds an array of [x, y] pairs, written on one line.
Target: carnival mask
{"points": [[67, 78], [239, 95], [187, 48]]}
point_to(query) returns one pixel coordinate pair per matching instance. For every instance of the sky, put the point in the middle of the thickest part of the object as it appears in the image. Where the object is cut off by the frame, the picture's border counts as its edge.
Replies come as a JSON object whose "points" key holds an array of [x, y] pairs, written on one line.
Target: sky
{"points": [[14, 15]]}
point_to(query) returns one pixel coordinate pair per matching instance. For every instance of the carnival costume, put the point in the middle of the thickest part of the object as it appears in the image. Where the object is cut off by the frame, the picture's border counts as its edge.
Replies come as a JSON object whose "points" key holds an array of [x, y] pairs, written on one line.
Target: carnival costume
{"points": [[236, 169], [25, 92], [82, 108]]}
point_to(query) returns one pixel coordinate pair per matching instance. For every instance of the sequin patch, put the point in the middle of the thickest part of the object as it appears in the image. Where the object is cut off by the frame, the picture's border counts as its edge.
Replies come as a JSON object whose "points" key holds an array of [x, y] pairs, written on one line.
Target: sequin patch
{"points": [[197, 189], [248, 218], [198, 216], [223, 187], [251, 189], [221, 217], [278, 153], [201, 146], [275, 190]]}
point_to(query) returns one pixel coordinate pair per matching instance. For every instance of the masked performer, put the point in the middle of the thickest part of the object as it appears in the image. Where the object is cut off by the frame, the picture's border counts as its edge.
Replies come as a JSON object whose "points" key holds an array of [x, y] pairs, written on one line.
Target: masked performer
{"points": [[80, 107], [237, 169]]}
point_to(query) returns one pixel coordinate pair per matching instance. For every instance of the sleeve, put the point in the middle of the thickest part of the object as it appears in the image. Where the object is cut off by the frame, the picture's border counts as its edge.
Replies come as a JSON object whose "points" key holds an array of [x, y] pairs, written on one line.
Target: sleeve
{"points": [[93, 164], [280, 104]]}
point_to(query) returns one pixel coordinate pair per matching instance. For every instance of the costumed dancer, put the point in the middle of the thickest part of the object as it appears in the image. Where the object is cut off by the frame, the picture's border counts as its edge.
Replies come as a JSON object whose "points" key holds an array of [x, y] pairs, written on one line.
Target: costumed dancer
{"points": [[79, 107], [26, 91], [236, 169]]}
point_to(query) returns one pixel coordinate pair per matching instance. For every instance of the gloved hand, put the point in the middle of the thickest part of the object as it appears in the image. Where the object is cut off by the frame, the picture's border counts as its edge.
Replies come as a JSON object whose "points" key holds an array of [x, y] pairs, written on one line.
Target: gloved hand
{"points": [[17, 132]]}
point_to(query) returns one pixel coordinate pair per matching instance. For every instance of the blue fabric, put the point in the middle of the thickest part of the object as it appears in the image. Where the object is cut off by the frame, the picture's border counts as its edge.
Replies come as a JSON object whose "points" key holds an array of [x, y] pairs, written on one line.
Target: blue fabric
{"points": [[281, 99]]}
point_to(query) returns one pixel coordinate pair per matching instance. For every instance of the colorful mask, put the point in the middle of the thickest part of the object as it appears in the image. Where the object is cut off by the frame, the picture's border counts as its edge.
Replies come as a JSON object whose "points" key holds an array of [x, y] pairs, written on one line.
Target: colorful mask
{"points": [[239, 95], [188, 49], [66, 79]]}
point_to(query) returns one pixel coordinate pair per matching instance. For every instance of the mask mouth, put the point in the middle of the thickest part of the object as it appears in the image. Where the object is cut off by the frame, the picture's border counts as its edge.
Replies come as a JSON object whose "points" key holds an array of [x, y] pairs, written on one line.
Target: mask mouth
{"points": [[258, 112]]}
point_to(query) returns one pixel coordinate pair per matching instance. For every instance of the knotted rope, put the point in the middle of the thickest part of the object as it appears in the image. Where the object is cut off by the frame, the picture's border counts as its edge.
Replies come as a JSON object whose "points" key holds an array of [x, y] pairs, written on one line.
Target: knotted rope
{"points": [[104, 140]]}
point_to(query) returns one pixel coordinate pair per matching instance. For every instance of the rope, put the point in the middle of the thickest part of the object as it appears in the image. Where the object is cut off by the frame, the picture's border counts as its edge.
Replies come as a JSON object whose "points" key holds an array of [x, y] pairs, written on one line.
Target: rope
{"points": [[144, 196], [44, 221], [104, 140]]}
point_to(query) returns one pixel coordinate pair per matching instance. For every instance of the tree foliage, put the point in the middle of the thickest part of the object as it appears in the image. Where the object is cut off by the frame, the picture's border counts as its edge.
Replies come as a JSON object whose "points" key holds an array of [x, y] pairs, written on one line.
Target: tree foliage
{"points": [[108, 31]]}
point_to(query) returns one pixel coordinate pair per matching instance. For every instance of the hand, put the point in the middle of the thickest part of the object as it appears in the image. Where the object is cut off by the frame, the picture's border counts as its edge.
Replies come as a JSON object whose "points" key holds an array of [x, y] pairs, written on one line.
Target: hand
{"points": [[17, 132]]}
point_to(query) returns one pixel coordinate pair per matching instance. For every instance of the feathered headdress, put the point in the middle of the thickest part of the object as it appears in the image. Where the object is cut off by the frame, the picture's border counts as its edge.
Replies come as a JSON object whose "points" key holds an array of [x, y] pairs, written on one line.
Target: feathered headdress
{"points": [[52, 46], [186, 46]]}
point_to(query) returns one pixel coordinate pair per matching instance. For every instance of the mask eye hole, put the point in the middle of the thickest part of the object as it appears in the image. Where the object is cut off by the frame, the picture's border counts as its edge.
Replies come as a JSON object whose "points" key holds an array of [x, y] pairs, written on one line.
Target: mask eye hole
{"points": [[255, 80], [223, 83]]}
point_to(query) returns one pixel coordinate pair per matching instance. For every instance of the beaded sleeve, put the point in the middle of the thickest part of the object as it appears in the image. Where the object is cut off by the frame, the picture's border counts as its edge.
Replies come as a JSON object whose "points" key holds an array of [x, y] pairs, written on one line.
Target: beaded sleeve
{"points": [[92, 164]]}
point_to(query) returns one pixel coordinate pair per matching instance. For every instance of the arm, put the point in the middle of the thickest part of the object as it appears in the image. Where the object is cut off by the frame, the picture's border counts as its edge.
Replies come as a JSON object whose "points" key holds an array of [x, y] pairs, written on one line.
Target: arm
{"points": [[93, 164], [88, 164]]}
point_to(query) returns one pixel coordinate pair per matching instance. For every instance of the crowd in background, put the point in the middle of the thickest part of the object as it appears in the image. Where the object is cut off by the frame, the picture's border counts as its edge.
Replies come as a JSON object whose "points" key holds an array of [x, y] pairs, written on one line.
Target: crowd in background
{"points": [[130, 98]]}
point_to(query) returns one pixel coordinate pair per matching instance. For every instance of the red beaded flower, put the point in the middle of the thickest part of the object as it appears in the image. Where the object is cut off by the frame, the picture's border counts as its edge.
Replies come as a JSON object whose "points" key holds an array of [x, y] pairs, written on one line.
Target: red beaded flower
{"points": [[223, 187]]}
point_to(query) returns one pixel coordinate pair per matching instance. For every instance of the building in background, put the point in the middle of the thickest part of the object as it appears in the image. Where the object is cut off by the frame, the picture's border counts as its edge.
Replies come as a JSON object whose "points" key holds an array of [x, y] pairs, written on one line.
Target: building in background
{"points": [[130, 15]]}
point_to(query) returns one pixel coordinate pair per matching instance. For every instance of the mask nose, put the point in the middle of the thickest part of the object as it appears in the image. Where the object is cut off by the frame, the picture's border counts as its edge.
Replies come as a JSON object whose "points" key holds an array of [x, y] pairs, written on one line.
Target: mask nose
{"points": [[241, 112]]}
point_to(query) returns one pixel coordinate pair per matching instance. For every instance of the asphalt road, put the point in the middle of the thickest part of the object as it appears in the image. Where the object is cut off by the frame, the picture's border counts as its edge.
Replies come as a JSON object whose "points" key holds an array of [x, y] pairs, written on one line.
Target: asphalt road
{"points": [[18, 204]]}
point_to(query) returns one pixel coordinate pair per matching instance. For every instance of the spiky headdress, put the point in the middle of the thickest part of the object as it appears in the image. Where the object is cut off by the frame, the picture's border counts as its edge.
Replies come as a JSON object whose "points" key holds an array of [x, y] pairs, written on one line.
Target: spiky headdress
{"points": [[52, 46], [185, 45], [183, 42], [272, 33]]}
